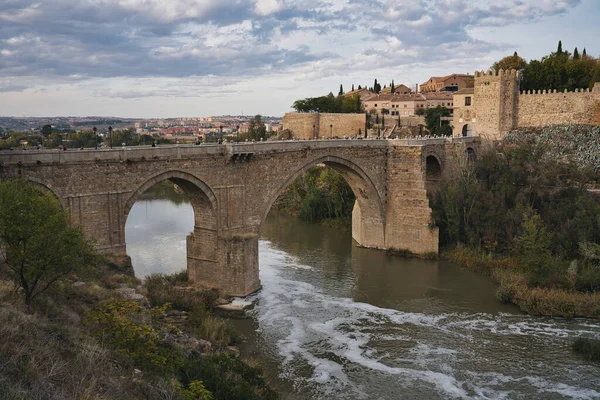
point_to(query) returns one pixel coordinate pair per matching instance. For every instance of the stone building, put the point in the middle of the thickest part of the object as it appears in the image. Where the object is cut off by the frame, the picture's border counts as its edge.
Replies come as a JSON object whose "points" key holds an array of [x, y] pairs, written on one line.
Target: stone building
{"points": [[449, 83], [400, 89], [324, 125], [406, 104], [496, 106]]}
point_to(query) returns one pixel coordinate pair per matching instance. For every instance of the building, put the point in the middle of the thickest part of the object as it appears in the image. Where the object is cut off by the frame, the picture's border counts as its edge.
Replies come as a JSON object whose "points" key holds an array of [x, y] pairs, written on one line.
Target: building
{"points": [[406, 104], [495, 106], [449, 83], [363, 93], [400, 89]]}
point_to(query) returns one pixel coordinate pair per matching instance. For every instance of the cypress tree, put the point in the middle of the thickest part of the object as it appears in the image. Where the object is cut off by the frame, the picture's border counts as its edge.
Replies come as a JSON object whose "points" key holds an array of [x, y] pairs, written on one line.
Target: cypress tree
{"points": [[584, 54], [359, 88], [393, 87], [341, 91], [575, 54], [353, 87], [559, 49]]}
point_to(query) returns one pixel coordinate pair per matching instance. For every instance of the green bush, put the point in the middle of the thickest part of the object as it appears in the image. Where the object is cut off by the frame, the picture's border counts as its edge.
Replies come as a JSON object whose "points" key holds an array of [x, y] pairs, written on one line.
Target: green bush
{"points": [[135, 332], [173, 289], [228, 377], [210, 327]]}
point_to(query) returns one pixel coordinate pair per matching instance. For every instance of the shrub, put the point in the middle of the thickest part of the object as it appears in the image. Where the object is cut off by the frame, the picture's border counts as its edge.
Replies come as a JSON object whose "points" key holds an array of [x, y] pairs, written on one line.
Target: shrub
{"points": [[228, 377], [210, 327], [134, 331], [171, 289]]}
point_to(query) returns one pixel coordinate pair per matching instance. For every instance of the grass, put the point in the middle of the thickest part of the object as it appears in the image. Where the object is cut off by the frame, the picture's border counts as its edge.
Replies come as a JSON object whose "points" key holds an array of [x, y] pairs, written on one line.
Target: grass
{"points": [[588, 348], [161, 289], [513, 287]]}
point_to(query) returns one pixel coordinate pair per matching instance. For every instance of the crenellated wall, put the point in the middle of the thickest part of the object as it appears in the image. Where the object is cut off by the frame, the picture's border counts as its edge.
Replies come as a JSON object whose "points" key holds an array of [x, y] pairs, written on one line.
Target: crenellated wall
{"points": [[499, 106], [540, 108], [324, 125]]}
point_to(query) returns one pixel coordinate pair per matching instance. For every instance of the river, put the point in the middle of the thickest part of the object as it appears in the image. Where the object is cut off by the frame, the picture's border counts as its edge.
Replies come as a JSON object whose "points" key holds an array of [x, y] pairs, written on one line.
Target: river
{"points": [[334, 321]]}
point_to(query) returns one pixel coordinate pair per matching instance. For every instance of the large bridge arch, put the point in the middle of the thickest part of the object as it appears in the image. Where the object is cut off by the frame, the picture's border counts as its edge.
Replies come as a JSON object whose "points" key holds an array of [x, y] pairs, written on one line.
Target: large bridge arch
{"points": [[48, 190], [202, 243], [368, 217]]}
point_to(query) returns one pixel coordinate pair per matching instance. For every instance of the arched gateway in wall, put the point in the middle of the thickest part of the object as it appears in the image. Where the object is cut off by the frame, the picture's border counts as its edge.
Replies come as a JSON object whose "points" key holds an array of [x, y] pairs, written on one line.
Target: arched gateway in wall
{"points": [[232, 187]]}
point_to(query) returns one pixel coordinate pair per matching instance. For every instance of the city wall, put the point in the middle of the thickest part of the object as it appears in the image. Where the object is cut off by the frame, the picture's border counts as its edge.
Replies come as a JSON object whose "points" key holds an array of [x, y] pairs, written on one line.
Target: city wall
{"points": [[540, 108], [324, 125], [499, 106]]}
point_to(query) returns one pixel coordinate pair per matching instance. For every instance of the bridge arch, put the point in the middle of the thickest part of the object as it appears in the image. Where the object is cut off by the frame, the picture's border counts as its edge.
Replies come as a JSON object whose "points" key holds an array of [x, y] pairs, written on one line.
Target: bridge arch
{"points": [[368, 217], [49, 190], [202, 243]]}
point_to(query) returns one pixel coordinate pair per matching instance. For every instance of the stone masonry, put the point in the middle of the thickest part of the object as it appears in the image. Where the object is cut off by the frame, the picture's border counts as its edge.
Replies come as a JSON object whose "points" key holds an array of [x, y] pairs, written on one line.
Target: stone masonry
{"points": [[232, 187], [499, 106], [324, 126]]}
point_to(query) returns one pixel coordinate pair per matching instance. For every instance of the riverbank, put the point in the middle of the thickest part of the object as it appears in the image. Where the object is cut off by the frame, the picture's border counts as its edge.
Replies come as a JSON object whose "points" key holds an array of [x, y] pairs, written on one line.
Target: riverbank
{"points": [[122, 338], [513, 287]]}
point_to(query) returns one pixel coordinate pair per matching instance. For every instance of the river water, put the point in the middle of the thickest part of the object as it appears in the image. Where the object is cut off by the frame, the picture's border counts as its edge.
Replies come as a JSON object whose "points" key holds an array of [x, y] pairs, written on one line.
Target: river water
{"points": [[334, 321]]}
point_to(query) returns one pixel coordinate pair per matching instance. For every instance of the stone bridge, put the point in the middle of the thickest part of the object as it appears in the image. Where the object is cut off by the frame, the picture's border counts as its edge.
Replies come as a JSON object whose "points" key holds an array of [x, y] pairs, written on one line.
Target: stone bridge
{"points": [[232, 187]]}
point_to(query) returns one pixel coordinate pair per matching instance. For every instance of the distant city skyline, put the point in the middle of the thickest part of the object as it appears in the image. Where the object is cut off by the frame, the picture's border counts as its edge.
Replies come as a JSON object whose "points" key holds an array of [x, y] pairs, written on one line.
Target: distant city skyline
{"points": [[197, 58]]}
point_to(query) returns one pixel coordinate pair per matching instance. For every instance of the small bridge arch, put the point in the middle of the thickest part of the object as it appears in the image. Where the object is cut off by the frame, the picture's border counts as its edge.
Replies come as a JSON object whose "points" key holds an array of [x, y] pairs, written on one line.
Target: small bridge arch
{"points": [[202, 243]]}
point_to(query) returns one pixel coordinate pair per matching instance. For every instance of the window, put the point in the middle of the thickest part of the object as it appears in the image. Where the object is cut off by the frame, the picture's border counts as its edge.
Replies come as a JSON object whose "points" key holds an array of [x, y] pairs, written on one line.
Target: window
{"points": [[468, 101], [405, 106], [375, 105]]}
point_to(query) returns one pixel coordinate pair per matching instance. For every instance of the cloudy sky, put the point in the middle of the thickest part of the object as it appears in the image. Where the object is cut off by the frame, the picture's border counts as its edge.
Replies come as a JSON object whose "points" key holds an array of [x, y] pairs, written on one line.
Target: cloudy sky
{"points": [[167, 58]]}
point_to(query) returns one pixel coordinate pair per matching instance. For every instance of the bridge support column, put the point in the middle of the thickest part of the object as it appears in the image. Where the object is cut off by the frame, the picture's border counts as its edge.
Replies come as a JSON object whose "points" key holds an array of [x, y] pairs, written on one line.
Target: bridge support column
{"points": [[409, 224], [231, 265]]}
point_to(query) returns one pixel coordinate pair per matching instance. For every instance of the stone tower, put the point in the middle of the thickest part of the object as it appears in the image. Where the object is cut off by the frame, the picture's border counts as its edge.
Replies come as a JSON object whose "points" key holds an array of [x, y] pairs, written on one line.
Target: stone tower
{"points": [[496, 104]]}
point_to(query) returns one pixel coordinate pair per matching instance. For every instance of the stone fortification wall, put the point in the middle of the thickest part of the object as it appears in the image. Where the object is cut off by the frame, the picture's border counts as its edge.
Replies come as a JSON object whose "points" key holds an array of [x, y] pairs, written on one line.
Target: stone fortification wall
{"points": [[302, 125], [313, 125], [496, 95], [341, 125], [541, 108]]}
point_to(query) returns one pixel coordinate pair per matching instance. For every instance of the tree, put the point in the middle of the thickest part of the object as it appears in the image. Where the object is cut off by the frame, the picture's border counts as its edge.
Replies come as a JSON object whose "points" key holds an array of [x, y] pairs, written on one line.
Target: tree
{"points": [[38, 245], [46, 130], [584, 54], [257, 129], [341, 93], [359, 87], [510, 62], [576, 54], [559, 49], [353, 87], [433, 121], [376, 87], [392, 87], [596, 77]]}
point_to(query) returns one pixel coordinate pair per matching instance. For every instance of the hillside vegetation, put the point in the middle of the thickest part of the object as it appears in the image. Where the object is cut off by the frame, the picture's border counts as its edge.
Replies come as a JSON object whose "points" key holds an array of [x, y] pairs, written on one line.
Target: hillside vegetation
{"points": [[523, 213]]}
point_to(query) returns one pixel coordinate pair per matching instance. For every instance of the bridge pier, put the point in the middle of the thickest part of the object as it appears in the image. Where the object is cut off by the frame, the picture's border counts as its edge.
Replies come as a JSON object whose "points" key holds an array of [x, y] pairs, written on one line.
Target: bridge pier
{"points": [[232, 267]]}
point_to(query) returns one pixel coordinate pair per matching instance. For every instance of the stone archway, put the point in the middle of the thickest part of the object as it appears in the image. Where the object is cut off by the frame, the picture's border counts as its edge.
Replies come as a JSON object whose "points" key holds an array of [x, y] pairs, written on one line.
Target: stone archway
{"points": [[202, 243], [467, 130], [433, 173], [368, 222]]}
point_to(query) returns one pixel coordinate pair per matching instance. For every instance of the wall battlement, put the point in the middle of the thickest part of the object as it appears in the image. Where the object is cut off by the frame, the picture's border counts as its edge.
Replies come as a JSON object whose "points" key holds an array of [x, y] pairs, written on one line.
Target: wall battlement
{"points": [[499, 105]]}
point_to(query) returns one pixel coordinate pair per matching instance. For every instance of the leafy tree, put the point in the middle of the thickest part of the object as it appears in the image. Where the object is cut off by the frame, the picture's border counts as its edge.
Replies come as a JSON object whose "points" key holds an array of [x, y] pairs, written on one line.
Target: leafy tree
{"points": [[257, 129], [420, 111], [433, 121], [510, 62], [46, 130], [38, 245], [596, 77]]}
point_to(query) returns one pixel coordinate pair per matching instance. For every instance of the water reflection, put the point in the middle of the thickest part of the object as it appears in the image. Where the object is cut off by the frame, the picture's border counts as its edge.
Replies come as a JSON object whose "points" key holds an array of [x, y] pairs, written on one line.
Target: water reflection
{"points": [[156, 230]]}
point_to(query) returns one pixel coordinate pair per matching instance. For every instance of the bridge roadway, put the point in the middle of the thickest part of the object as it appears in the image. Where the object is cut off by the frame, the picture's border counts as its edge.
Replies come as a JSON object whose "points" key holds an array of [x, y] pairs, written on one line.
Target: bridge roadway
{"points": [[232, 187]]}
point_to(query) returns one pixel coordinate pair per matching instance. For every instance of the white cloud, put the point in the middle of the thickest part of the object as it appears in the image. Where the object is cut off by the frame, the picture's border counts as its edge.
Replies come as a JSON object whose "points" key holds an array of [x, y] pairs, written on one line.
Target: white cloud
{"points": [[267, 7]]}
